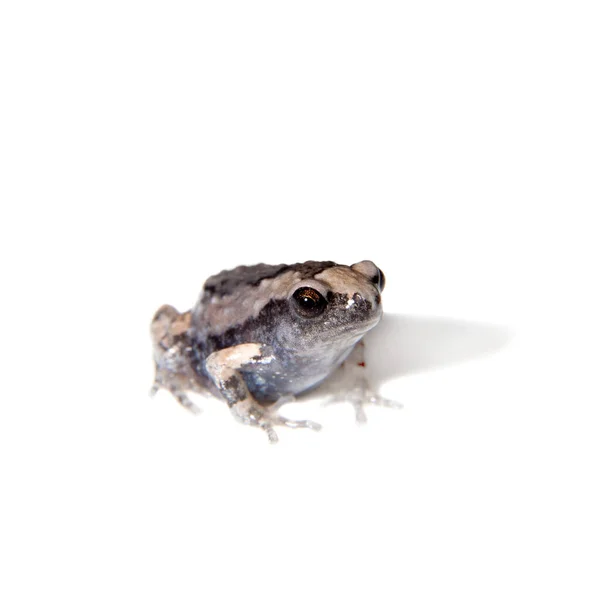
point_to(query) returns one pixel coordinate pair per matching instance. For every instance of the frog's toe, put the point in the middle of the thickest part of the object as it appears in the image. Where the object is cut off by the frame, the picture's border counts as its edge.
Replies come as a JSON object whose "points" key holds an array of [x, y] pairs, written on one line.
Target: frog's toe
{"points": [[269, 420], [267, 427], [187, 403], [385, 402], [298, 424]]}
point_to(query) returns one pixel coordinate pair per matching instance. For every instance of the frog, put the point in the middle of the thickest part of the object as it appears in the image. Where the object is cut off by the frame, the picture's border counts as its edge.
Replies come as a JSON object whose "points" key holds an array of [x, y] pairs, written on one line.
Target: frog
{"points": [[260, 336]]}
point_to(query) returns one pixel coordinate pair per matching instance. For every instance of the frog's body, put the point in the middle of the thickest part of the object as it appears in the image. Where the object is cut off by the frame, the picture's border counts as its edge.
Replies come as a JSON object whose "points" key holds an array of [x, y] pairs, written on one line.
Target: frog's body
{"points": [[267, 332]]}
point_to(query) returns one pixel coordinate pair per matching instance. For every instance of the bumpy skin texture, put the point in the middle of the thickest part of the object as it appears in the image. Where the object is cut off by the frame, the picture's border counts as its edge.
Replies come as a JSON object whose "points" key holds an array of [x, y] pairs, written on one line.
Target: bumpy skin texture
{"points": [[261, 334]]}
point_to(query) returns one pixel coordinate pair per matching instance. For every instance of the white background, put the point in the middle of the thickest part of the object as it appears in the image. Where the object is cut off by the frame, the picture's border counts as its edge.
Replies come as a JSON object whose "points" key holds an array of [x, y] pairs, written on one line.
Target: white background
{"points": [[145, 146]]}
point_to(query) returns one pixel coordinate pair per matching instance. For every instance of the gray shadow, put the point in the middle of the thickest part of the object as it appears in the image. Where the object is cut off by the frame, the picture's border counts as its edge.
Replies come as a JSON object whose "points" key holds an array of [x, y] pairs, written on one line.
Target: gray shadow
{"points": [[404, 345]]}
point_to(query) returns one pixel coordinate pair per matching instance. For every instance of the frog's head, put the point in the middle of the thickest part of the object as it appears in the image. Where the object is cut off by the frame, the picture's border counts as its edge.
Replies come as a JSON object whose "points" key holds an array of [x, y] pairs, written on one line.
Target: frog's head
{"points": [[333, 309]]}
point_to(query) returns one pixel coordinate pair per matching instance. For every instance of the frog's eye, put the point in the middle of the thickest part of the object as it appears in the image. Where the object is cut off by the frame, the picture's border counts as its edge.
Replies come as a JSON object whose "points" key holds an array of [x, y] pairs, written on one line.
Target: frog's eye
{"points": [[308, 302], [379, 280]]}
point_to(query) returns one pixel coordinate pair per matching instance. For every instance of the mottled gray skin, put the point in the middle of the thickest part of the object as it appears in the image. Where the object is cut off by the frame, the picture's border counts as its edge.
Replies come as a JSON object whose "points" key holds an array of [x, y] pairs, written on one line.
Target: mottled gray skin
{"points": [[282, 350]]}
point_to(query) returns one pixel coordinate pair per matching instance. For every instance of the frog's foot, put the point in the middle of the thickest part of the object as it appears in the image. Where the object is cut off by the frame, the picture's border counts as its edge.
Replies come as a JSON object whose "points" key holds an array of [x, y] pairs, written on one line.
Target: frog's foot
{"points": [[351, 384], [360, 396], [247, 411], [175, 391]]}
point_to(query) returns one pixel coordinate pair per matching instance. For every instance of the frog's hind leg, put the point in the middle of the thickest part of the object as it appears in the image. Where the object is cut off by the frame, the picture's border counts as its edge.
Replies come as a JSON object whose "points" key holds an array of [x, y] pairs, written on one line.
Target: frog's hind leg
{"points": [[176, 388], [224, 368], [172, 352]]}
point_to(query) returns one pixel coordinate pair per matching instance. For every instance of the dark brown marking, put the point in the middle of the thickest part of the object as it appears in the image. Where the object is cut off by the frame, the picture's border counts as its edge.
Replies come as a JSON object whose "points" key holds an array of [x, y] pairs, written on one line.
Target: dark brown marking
{"points": [[234, 389]]}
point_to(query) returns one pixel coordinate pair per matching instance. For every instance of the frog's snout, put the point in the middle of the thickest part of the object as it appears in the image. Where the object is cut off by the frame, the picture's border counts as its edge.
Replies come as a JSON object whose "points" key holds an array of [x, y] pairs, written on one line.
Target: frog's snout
{"points": [[365, 305]]}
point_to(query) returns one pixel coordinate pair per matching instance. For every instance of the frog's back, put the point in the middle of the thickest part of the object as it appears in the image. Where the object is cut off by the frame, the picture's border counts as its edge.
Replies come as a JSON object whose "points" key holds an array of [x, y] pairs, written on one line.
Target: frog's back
{"points": [[241, 280], [241, 305]]}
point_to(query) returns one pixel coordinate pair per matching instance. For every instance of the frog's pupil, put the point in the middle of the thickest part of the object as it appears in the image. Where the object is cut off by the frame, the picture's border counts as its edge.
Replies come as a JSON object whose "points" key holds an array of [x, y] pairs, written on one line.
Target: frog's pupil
{"points": [[309, 301]]}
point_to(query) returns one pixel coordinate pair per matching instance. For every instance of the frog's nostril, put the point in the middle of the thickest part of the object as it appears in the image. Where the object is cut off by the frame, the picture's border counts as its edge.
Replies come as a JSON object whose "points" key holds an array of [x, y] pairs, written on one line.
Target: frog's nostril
{"points": [[360, 302]]}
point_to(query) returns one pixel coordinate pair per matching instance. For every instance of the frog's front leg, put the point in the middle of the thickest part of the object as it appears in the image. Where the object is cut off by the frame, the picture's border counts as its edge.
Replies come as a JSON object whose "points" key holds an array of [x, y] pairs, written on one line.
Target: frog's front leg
{"points": [[225, 369], [351, 384]]}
